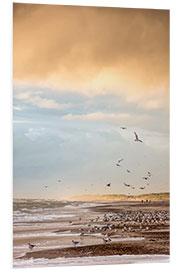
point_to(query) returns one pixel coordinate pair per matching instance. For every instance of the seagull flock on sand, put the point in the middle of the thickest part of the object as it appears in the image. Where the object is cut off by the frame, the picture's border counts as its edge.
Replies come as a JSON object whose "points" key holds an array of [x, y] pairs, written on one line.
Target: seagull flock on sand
{"points": [[109, 225]]}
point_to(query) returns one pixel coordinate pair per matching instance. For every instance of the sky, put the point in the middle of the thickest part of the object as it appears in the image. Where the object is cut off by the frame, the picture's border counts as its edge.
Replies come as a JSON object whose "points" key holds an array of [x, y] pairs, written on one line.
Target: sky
{"points": [[79, 75]]}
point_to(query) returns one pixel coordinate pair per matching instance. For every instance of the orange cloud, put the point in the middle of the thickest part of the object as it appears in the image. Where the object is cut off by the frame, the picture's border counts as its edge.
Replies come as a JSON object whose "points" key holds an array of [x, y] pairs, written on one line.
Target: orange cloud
{"points": [[92, 49]]}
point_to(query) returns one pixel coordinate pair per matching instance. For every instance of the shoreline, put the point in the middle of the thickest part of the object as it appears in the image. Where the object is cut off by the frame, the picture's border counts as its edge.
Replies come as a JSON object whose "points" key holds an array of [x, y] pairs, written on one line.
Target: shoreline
{"points": [[147, 246], [134, 229]]}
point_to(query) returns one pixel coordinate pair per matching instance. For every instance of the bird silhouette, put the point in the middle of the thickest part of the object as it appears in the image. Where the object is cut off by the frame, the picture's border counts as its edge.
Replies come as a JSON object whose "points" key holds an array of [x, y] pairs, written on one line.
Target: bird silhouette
{"points": [[142, 188], [120, 160], [127, 185], [137, 138], [123, 127], [31, 246], [75, 242], [145, 178], [108, 185]]}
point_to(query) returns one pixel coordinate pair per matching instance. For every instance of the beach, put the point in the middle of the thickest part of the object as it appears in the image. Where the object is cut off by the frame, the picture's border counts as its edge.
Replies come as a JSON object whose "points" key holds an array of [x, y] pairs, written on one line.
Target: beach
{"points": [[119, 231]]}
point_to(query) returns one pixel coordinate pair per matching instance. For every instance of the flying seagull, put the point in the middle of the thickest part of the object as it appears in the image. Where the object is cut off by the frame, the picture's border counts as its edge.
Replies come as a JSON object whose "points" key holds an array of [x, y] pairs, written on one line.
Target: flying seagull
{"points": [[145, 178], [123, 127], [142, 188], [128, 171], [127, 185], [31, 246], [120, 160], [46, 186], [117, 164], [108, 185], [137, 139], [59, 181]]}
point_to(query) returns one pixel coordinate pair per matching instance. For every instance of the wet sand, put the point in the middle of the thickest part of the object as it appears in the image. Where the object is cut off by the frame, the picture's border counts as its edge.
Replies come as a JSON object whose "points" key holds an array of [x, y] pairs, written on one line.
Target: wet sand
{"points": [[128, 248]]}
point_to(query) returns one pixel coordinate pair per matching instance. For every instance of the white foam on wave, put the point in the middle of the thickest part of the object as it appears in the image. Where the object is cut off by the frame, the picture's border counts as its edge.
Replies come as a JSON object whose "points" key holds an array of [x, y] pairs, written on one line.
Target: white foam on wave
{"points": [[18, 227], [90, 204], [99, 260], [22, 217]]}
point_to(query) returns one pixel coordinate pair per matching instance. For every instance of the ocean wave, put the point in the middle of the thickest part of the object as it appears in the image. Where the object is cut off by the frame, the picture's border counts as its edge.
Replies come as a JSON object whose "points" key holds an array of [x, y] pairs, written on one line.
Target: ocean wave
{"points": [[29, 204], [22, 217]]}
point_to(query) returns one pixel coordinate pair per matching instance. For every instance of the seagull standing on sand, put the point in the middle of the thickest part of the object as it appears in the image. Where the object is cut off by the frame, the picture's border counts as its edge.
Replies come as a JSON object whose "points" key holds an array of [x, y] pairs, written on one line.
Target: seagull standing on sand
{"points": [[31, 246], [137, 139], [106, 240], [75, 242]]}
